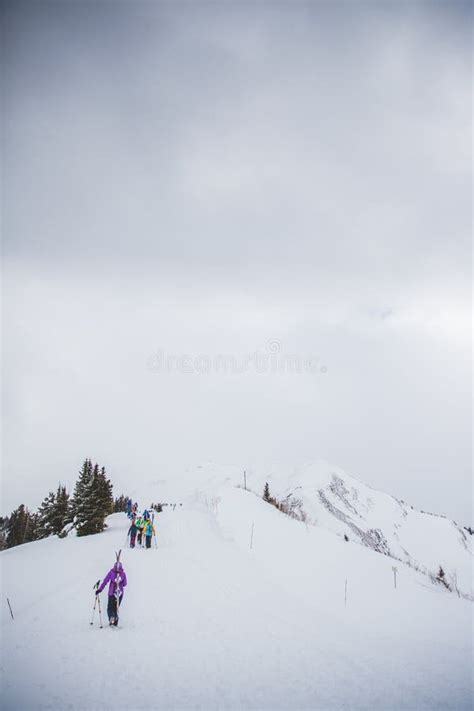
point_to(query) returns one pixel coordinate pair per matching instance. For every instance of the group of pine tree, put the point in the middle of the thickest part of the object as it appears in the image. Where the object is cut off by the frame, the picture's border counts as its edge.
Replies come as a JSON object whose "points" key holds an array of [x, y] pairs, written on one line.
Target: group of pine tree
{"points": [[85, 511]]}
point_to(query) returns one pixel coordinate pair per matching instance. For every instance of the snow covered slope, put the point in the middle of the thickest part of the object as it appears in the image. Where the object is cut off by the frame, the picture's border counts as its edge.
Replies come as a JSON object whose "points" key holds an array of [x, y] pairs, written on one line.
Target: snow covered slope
{"points": [[326, 496], [300, 620], [342, 504]]}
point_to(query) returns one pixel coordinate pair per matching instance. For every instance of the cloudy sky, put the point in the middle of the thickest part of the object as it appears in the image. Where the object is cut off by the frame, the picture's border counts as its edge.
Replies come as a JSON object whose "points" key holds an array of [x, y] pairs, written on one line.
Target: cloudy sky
{"points": [[192, 179]]}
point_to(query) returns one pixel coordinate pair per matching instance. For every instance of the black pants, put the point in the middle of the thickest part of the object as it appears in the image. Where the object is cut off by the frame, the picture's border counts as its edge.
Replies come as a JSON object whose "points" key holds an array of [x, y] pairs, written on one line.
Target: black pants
{"points": [[148, 541], [112, 606]]}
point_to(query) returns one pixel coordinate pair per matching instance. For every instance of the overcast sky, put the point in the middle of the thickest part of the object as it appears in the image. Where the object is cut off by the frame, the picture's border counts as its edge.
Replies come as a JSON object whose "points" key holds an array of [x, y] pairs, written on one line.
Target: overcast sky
{"points": [[195, 179]]}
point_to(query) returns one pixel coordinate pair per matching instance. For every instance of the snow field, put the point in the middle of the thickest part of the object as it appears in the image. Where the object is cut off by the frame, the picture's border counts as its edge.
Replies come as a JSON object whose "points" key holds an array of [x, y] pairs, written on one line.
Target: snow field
{"points": [[208, 623]]}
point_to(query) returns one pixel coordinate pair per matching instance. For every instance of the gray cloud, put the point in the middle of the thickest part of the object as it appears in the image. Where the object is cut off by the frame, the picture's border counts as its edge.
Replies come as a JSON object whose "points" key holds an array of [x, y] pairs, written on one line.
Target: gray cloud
{"points": [[202, 178]]}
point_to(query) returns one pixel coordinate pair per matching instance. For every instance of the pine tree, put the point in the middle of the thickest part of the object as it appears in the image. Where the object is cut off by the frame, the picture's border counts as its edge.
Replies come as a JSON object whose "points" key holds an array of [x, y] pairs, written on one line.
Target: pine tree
{"points": [[53, 513], [266, 492], [60, 512], [17, 524], [32, 532], [92, 501], [46, 516], [4, 523], [80, 510], [120, 503], [106, 498], [101, 503]]}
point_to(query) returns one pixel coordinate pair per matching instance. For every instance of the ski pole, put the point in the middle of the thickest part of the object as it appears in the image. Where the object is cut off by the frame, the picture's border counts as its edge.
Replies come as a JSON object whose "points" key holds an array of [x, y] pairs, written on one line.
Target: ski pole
{"points": [[156, 544], [94, 587], [100, 613]]}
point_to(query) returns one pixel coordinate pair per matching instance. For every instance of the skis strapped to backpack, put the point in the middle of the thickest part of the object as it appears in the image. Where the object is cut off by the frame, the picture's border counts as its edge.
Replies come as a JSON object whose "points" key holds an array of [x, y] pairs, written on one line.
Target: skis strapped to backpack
{"points": [[117, 585]]}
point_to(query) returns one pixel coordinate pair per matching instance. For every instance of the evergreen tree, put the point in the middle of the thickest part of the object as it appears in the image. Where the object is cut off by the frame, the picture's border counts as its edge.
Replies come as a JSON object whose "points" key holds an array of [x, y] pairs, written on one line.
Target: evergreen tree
{"points": [[101, 504], [266, 492], [60, 512], [80, 510], [46, 516], [17, 524], [92, 501], [4, 523], [32, 532], [120, 503], [105, 495], [53, 513]]}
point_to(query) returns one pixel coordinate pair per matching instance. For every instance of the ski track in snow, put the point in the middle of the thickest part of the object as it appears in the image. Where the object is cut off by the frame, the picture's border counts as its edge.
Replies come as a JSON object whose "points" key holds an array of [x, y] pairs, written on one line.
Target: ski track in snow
{"points": [[207, 623]]}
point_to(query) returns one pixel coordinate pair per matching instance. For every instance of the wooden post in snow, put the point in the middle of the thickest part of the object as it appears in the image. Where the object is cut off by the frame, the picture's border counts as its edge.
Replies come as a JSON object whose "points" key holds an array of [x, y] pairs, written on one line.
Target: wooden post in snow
{"points": [[394, 568], [10, 608]]}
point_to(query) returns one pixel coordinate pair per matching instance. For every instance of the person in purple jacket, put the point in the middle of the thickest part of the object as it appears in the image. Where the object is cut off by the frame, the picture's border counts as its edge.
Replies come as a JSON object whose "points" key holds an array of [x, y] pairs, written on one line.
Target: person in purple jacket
{"points": [[117, 578]]}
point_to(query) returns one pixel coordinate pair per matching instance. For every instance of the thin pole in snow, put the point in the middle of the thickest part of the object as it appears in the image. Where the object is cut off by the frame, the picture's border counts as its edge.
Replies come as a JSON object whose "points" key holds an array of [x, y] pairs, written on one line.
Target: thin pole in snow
{"points": [[251, 537], [100, 613], [345, 593], [245, 480], [10, 608], [394, 576]]}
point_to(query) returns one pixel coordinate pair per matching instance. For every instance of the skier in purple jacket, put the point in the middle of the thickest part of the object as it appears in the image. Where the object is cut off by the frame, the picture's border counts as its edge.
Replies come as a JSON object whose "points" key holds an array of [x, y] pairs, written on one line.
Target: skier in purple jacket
{"points": [[117, 579]]}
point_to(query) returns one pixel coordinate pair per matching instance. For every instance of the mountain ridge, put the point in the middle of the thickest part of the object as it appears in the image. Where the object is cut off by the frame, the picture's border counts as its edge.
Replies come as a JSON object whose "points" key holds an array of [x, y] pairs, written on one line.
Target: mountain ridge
{"points": [[321, 494]]}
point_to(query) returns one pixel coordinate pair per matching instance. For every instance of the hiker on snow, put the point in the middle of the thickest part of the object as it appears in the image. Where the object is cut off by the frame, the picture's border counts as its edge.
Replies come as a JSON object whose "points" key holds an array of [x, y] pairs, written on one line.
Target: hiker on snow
{"points": [[149, 532], [140, 523], [132, 532], [116, 577]]}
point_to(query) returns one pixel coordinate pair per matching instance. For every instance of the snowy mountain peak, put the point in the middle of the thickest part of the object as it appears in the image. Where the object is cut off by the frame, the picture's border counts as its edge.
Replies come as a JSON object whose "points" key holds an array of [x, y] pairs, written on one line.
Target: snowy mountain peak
{"points": [[337, 501], [326, 496]]}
